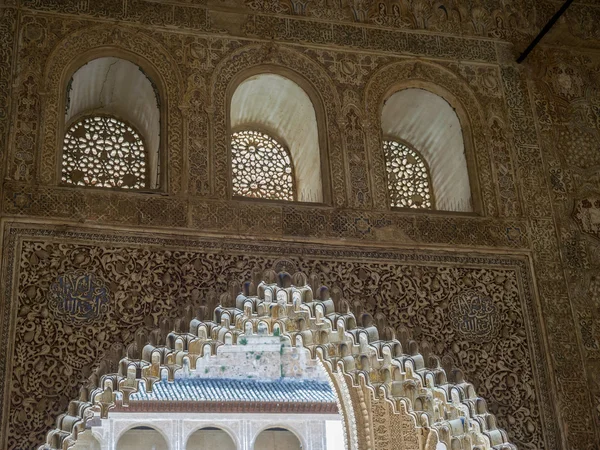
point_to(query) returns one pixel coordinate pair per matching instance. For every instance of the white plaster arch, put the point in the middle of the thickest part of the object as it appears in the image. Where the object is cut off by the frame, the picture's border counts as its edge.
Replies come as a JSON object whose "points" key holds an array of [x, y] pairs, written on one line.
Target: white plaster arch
{"points": [[102, 439], [155, 425], [221, 426], [430, 124], [279, 106], [84, 438], [286, 426], [117, 87]]}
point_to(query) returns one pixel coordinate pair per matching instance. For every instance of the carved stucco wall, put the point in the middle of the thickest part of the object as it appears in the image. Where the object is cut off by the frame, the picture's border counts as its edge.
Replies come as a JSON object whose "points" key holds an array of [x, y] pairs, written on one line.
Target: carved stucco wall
{"points": [[534, 133], [423, 292], [565, 90]]}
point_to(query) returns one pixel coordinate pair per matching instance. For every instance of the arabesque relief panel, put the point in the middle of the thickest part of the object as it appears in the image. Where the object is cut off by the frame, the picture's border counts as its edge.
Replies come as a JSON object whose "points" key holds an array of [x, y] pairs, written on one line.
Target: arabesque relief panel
{"points": [[517, 21], [567, 105], [129, 280]]}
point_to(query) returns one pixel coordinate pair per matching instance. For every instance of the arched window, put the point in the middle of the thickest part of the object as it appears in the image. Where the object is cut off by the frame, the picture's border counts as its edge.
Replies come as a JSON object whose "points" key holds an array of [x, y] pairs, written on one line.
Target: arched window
{"points": [[275, 146], [409, 184], [103, 151], [424, 152], [112, 133], [261, 167]]}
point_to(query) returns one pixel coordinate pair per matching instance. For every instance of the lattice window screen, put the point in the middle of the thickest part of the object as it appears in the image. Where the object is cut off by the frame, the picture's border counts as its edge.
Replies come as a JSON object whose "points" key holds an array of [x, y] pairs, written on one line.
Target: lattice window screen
{"points": [[408, 177], [102, 151], [261, 167]]}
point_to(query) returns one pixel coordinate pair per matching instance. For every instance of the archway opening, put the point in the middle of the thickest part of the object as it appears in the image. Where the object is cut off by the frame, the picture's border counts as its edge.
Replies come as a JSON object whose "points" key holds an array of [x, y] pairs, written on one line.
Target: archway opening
{"points": [[277, 438], [253, 380], [210, 438], [261, 362], [142, 437]]}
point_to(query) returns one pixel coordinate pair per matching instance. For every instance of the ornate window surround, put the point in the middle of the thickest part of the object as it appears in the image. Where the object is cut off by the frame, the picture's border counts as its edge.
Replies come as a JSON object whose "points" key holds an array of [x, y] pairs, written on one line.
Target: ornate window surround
{"points": [[320, 114], [87, 115], [375, 97], [424, 160], [157, 81]]}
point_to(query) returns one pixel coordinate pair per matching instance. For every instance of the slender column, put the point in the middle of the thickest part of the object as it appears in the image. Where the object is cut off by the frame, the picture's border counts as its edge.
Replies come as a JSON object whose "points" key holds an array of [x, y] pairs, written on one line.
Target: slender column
{"points": [[180, 440], [112, 445], [175, 435], [246, 436]]}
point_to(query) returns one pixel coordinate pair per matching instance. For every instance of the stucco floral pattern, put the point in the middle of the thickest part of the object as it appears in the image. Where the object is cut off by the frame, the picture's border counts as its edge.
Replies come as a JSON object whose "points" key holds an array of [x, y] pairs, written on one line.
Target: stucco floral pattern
{"points": [[148, 285]]}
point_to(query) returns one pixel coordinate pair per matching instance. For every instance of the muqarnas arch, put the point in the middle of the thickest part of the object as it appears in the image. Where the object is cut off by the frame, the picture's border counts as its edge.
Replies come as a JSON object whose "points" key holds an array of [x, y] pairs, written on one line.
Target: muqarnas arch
{"points": [[377, 378]]}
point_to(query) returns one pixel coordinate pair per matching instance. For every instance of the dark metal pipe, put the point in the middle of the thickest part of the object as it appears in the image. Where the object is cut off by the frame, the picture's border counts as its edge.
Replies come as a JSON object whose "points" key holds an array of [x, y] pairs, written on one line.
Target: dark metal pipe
{"points": [[546, 28]]}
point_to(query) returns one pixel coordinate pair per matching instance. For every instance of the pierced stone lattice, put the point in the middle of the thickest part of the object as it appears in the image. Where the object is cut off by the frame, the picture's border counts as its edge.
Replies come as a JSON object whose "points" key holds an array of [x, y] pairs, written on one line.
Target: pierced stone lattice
{"points": [[408, 177], [261, 166], [102, 151]]}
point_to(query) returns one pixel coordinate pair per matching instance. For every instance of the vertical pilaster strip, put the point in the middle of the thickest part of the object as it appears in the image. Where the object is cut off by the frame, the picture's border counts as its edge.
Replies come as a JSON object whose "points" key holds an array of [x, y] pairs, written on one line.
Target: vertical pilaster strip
{"points": [[8, 43], [564, 352], [353, 131], [554, 300], [529, 158]]}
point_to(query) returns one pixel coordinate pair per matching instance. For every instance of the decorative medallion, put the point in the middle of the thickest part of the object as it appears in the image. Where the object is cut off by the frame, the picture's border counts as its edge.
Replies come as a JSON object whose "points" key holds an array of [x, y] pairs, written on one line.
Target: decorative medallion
{"points": [[587, 214], [285, 265], [474, 316], [78, 297]]}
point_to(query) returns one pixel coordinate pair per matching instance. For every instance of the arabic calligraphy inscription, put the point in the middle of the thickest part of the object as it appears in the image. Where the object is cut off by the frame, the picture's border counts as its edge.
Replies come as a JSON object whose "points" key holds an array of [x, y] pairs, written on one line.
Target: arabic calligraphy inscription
{"points": [[474, 316], [78, 297]]}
